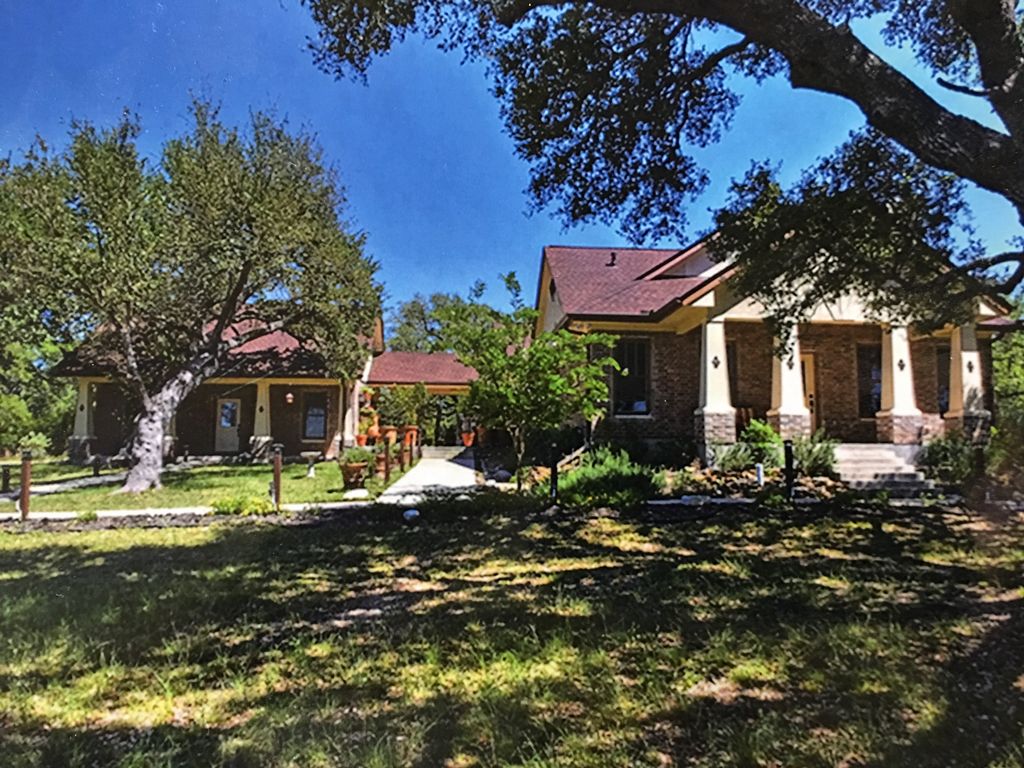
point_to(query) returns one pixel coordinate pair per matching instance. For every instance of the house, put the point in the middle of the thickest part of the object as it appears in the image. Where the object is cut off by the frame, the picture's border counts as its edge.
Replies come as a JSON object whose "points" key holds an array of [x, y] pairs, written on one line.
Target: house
{"points": [[699, 360], [275, 389]]}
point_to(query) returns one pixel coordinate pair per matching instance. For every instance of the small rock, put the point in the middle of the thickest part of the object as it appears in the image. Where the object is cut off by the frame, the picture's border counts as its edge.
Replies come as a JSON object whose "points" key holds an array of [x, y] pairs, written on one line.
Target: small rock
{"points": [[502, 476], [356, 494]]}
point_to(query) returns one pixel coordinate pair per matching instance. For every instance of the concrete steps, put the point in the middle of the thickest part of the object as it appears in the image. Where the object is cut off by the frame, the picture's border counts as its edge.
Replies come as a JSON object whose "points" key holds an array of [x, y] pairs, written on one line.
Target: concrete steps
{"points": [[442, 451], [881, 467]]}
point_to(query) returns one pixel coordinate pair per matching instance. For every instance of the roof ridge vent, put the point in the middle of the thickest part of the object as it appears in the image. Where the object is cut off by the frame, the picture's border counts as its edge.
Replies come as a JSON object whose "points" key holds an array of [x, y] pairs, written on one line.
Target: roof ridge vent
{"points": [[611, 259]]}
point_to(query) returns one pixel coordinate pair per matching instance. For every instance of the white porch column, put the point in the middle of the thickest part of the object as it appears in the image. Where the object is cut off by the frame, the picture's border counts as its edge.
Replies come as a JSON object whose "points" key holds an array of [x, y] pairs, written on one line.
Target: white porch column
{"points": [[789, 413], [350, 425], [261, 435], [715, 419], [900, 419], [338, 439], [966, 394], [79, 445]]}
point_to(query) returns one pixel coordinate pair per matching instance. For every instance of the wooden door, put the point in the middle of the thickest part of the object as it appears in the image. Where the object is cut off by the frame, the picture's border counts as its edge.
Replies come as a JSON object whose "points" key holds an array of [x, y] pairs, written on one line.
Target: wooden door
{"points": [[228, 412]]}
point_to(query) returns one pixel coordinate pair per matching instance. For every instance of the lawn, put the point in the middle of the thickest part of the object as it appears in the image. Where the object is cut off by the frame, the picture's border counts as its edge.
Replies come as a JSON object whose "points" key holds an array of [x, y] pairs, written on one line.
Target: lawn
{"points": [[204, 485], [51, 470], [496, 634]]}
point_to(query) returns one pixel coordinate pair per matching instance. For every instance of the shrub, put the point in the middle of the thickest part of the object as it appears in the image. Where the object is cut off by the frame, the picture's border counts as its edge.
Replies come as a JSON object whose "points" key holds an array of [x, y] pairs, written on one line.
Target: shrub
{"points": [[243, 505], [764, 442], [734, 457], [608, 478], [948, 459], [87, 516], [815, 455], [357, 455], [36, 442]]}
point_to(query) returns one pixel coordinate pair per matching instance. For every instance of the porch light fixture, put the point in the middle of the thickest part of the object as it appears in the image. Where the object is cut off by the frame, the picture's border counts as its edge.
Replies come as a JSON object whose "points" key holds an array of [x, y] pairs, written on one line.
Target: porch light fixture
{"points": [[289, 397], [901, 365], [715, 361], [970, 366], [790, 363]]}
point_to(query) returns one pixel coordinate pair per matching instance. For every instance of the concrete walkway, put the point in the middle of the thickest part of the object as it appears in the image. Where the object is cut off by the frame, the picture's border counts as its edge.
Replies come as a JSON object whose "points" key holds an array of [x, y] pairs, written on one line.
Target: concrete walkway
{"points": [[435, 473]]}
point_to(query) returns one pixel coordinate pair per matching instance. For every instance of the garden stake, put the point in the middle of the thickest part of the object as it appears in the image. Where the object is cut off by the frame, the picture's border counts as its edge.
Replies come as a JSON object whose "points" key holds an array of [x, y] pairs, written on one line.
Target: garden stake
{"points": [[277, 447], [26, 483], [387, 460], [787, 449]]}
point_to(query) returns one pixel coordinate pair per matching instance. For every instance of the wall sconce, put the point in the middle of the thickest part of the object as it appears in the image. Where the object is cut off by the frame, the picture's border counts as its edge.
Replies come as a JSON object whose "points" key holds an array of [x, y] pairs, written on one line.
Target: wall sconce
{"points": [[715, 361], [901, 365], [289, 398], [970, 366]]}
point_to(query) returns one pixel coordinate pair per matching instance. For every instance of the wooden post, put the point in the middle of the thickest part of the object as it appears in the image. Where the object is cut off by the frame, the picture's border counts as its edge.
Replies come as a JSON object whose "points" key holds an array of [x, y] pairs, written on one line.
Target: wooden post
{"points": [[278, 448], [401, 449], [26, 483], [387, 459]]}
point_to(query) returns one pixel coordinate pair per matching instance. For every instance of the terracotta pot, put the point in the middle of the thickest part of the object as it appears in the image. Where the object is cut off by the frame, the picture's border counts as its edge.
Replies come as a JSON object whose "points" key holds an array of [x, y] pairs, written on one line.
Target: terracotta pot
{"points": [[410, 435], [361, 439], [467, 438], [373, 431], [352, 474], [389, 433], [380, 464]]}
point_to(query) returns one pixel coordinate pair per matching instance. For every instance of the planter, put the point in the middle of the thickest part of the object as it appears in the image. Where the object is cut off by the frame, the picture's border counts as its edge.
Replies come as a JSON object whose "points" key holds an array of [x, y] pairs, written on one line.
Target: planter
{"points": [[381, 459], [409, 436], [467, 438], [352, 474], [389, 433], [361, 439], [373, 431]]}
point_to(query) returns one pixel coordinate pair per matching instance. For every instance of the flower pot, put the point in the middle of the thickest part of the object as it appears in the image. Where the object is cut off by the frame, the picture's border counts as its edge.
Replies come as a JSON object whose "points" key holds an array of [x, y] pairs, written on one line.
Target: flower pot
{"points": [[373, 431], [389, 433], [410, 435], [361, 439], [352, 474], [381, 458], [467, 438]]}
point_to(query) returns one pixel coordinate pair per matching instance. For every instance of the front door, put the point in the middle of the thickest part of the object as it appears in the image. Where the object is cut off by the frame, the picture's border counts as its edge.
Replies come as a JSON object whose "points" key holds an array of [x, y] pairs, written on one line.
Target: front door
{"points": [[810, 388], [228, 410]]}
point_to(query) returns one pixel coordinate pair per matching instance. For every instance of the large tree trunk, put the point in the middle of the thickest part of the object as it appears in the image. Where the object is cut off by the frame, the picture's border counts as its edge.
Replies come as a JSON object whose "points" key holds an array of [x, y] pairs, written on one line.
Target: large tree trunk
{"points": [[146, 447]]}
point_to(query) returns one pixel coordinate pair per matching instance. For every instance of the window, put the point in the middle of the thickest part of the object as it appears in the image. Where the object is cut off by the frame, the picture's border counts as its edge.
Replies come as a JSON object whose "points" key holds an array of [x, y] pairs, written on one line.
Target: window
{"points": [[314, 416], [228, 414], [942, 376], [869, 380], [732, 360], [631, 385]]}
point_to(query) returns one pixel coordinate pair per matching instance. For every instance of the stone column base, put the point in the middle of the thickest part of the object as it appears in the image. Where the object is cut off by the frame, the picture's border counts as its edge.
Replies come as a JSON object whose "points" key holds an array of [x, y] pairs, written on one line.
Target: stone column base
{"points": [[712, 428], [79, 449], [899, 428], [260, 447], [975, 425], [790, 425]]}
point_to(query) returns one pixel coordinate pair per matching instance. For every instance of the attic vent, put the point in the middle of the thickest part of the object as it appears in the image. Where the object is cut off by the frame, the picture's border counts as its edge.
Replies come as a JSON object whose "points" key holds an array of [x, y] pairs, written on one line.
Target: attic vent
{"points": [[611, 259], [551, 288]]}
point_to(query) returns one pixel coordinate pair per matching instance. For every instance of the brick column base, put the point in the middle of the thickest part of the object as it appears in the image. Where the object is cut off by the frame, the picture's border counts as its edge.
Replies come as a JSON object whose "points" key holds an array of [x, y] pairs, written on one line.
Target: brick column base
{"points": [[790, 425], [713, 428], [899, 428], [975, 425]]}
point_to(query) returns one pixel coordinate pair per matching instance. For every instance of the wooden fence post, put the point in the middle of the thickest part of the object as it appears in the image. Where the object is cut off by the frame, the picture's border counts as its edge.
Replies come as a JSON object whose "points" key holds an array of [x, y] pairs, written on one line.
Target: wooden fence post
{"points": [[387, 459], [278, 461], [26, 483], [401, 449], [789, 467]]}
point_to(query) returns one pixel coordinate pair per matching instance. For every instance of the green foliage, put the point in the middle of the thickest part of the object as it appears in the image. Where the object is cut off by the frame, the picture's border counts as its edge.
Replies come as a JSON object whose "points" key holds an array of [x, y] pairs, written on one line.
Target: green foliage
{"points": [[15, 421], [403, 405], [357, 455], [24, 374], [1006, 454], [36, 442], [527, 384], [732, 457], [815, 455], [764, 443], [948, 459], [86, 516], [609, 478], [416, 325], [245, 506], [388, 407]]}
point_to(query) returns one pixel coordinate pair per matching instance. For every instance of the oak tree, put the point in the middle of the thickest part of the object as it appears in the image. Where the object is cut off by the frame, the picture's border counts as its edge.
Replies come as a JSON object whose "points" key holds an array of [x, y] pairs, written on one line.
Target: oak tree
{"points": [[167, 265]]}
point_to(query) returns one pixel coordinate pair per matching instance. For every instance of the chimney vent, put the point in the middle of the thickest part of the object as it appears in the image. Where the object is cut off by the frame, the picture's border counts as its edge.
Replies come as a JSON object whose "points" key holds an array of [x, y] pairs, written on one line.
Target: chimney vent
{"points": [[611, 259]]}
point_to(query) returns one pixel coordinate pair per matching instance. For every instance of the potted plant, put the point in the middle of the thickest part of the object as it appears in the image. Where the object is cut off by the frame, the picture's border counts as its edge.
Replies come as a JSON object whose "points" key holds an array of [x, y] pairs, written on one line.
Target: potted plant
{"points": [[353, 464], [390, 413]]}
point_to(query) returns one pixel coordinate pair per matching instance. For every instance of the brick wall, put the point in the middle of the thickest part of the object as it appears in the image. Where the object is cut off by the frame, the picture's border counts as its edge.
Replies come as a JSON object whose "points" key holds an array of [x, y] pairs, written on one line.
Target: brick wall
{"points": [[751, 348], [286, 418]]}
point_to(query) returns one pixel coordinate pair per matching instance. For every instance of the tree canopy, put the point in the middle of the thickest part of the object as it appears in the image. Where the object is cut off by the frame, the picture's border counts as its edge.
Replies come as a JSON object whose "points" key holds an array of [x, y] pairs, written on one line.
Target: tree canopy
{"points": [[416, 323], [168, 265], [608, 99]]}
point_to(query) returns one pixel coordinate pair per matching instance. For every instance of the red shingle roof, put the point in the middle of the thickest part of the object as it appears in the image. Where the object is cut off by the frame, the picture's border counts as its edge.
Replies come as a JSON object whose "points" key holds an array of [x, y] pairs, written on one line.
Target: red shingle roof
{"points": [[416, 367], [591, 283]]}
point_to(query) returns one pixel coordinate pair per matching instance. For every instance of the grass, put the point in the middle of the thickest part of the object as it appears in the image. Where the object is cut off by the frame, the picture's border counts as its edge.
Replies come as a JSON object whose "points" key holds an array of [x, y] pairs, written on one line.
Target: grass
{"points": [[51, 470], [495, 634], [204, 485]]}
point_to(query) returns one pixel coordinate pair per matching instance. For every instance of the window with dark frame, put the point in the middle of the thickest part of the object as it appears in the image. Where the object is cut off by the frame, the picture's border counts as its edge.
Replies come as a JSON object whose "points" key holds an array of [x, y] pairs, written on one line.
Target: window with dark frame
{"points": [[732, 360], [314, 416], [942, 353], [631, 394], [869, 380]]}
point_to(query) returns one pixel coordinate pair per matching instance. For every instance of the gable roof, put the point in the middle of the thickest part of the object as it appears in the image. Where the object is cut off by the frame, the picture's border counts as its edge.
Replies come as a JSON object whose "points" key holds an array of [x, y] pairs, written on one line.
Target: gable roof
{"points": [[627, 282], [439, 368]]}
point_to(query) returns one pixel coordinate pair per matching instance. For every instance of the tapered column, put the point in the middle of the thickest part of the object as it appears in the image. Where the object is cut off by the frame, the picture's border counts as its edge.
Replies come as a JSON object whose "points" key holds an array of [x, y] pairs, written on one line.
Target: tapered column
{"points": [[337, 439], [789, 413], [715, 419], [261, 436], [900, 419], [80, 443], [350, 426], [967, 410]]}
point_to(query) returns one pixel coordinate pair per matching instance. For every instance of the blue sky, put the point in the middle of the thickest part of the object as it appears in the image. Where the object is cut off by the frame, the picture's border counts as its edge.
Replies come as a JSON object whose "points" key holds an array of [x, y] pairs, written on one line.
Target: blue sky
{"points": [[430, 175]]}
